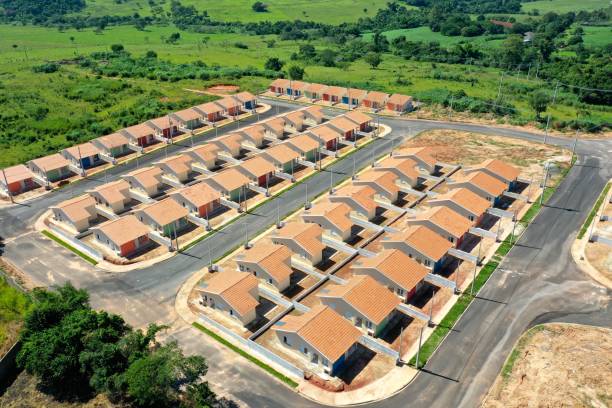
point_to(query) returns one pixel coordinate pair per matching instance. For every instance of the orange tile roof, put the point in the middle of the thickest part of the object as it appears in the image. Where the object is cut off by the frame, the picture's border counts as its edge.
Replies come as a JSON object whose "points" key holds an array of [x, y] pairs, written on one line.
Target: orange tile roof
{"points": [[276, 124], [317, 88], [139, 130], [187, 114], [366, 295], [113, 140], [315, 111], [336, 91], [123, 230], [85, 150], [227, 103], [52, 162], [299, 85], [396, 266], [325, 330], [280, 83], [178, 164], [281, 153], [487, 183], [230, 179], [375, 96], [165, 211], [355, 93], [382, 178], [296, 117], [324, 133], [399, 99], [16, 173], [406, 166], [358, 117], [343, 124], [77, 208], [210, 107], [466, 199], [147, 176], [234, 287], [199, 194], [244, 96], [363, 195], [163, 122], [336, 213], [274, 259], [304, 143], [501, 168], [231, 142], [113, 192], [422, 239], [447, 219], [257, 166], [423, 153], [256, 133], [205, 152], [308, 236]]}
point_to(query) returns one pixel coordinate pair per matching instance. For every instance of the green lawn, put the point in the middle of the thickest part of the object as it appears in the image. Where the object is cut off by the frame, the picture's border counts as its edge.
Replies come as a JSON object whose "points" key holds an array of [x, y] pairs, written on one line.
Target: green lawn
{"points": [[597, 36], [13, 306], [425, 34], [564, 6]]}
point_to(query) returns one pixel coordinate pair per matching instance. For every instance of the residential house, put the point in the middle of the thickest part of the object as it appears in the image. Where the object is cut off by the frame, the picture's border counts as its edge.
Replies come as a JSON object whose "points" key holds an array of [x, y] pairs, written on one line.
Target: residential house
{"points": [[177, 168], [334, 218], [163, 127], [313, 115], [268, 262], [51, 168], [323, 337], [421, 244], [383, 182], [482, 184], [204, 156], [361, 119], [230, 106], [77, 213], [84, 156], [141, 135], [275, 128], [445, 222], [200, 199], [404, 169], [363, 301], [230, 183], [345, 126], [254, 136], [146, 181], [113, 145], [187, 119], [230, 144], [247, 100], [283, 157], [502, 171], [113, 196], [209, 112], [375, 100], [399, 103], [463, 201], [124, 236], [423, 156], [334, 94], [395, 270], [232, 292], [258, 170], [354, 97], [294, 121], [306, 146], [359, 198], [304, 240], [167, 217], [327, 136], [16, 179], [296, 88], [315, 91], [280, 86]]}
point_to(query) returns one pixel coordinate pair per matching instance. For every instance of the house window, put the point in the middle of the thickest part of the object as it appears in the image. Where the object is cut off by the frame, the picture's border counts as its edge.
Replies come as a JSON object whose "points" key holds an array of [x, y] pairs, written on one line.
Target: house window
{"points": [[241, 268], [471, 218], [368, 324], [427, 262], [305, 350], [270, 281], [400, 291], [325, 362], [285, 340], [451, 239], [231, 312]]}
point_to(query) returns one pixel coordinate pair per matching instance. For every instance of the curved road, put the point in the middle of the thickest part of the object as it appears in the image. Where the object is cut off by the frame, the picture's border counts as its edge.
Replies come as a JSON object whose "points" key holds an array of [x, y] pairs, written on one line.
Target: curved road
{"points": [[537, 282]]}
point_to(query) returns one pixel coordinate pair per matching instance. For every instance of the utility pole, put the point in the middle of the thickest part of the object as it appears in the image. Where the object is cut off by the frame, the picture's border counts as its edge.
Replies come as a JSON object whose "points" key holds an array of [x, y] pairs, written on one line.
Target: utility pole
{"points": [[354, 165], [331, 180], [544, 184], [306, 203], [475, 267], [431, 306], [574, 146], [501, 80], [555, 94], [247, 244], [279, 224], [81, 162], [8, 190], [450, 110], [419, 349], [546, 131]]}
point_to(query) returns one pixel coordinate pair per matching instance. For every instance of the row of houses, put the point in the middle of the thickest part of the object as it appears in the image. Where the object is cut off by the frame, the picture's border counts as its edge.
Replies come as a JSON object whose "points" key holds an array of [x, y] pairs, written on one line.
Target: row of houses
{"points": [[106, 149], [327, 334], [351, 97]]}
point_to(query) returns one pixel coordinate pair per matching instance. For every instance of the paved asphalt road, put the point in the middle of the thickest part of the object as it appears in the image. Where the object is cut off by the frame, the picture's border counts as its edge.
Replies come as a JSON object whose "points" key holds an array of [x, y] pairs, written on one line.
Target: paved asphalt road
{"points": [[538, 282]]}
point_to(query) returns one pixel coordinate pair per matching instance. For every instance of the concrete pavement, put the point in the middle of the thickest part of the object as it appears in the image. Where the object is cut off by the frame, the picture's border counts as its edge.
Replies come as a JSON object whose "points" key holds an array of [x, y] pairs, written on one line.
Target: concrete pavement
{"points": [[537, 282]]}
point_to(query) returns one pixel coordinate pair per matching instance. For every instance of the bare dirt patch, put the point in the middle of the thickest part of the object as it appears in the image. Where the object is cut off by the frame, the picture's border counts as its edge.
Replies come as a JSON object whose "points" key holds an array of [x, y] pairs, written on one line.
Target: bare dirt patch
{"points": [[557, 365], [223, 89]]}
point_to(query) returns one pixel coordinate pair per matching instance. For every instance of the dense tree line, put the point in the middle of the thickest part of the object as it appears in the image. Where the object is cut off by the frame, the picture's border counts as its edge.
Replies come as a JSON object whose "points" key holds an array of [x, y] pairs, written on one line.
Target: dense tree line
{"points": [[39, 10], [472, 6], [76, 352]]}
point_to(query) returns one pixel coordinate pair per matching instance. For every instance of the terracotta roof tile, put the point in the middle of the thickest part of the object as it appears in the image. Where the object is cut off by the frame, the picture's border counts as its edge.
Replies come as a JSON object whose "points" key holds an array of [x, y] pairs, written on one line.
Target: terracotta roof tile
{"points": [[423, 153], [147, 176], [307, 236], [343, 124], [205, 152], [487, 183], [336, 213], [399, 99], [503, 169], [230, 179], [324, 133], [210, 107], [78, 208], [165, 211], [281, 153], [363, 195], [257, 166], [113, 192], [396, 266], [15, 174], [199, 194], [139, 130], [124, 230], [304, 143], [113, 140], [358, 117], [375, 96], [466, 199], [187, 114], [235, 288], [318, 88], [405, 166], [244, 96], [384, 179], [422, 239], [336, 91], [447, 219], [227, 103], [178, 164], [280, 83], [85, 150], [274, 259]]}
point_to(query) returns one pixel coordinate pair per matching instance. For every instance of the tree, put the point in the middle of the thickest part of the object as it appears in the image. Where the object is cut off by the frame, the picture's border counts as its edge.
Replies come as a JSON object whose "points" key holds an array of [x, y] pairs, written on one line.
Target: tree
{"points": [[117, 48], [259, 7], [373, 59], [174, 37], [512, 50], [156, 379], [296, 72], [151, 54], [307, 51], [539, 102], [274, 64]]}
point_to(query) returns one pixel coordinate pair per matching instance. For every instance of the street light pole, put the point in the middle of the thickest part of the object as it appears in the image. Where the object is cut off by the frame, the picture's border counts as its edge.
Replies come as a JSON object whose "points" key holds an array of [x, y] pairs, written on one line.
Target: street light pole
{"points": [[8, 190], [546, 131], [419, 349]]}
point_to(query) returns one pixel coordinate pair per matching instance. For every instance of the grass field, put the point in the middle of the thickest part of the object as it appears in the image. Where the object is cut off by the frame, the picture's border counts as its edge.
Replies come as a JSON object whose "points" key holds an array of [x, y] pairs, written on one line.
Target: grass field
{"points": [[425, 34], [597, 36], [324, 11], [564, 6], [13, 306]]}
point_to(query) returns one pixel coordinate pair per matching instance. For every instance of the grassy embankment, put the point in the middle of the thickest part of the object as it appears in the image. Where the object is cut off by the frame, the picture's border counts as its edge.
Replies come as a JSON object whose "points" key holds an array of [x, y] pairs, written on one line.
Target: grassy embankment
{"points": [[13, 307]]}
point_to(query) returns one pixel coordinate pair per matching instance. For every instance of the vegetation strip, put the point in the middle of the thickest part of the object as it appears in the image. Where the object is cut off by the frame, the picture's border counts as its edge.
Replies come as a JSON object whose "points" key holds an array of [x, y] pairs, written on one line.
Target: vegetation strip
{"points": [[69, 247], [516, 351], [246, 355], [594, 211], [453, 315]]}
